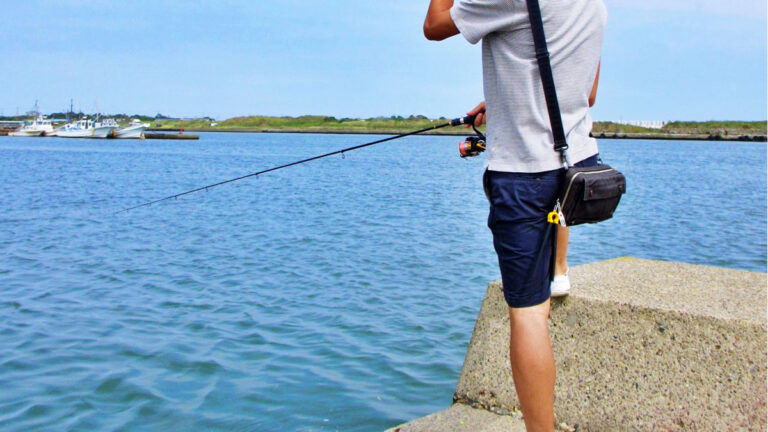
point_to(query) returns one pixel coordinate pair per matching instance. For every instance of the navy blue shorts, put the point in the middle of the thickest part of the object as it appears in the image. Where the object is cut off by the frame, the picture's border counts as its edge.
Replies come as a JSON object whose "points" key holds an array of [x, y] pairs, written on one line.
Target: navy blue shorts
{"points": [[520, 203]]}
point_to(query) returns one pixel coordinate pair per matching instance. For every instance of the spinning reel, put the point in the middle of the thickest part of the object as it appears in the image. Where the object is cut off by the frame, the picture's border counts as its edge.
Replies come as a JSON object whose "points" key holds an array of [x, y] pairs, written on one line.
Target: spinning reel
{"points": [[473, 145]]}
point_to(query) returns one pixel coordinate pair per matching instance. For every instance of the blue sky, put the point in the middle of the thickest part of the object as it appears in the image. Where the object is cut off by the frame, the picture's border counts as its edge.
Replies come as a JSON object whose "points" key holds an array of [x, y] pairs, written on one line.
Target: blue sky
{"points": [[662, 59]]}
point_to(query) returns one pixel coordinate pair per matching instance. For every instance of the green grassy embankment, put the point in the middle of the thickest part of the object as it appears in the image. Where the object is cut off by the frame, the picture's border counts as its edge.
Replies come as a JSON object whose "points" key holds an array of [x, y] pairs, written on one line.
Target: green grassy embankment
{"points": [[403, 124], [713, 128], [306, 124], [718, 127]]}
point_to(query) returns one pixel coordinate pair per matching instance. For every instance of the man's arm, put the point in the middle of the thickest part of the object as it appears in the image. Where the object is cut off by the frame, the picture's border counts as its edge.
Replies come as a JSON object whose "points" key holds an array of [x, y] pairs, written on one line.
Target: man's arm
{"points": [[593, 93], [438, 24]]}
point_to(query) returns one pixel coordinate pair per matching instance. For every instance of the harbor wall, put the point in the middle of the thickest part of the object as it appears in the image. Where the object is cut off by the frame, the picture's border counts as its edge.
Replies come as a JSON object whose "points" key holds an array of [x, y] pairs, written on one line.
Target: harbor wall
{"points": [[639, 345]]}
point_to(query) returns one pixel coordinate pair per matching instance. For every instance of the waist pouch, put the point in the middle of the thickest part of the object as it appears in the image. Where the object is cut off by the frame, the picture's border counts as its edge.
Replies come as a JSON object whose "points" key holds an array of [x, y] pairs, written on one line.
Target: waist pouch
{"points": [[590, 194]]}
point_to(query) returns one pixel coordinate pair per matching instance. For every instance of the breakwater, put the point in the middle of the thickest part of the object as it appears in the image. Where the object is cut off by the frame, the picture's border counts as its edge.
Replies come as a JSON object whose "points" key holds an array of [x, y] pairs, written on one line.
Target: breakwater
{"points": [[173, 136], [681, 137], [639, 345]]}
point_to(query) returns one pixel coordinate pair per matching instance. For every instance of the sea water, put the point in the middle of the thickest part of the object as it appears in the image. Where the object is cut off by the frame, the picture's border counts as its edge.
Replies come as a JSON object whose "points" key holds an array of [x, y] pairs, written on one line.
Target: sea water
{"points": [[335, 295]]}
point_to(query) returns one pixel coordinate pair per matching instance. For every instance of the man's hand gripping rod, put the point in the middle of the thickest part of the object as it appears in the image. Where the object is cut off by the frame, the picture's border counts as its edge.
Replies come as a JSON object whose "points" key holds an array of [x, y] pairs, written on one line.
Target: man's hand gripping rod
{"points": [[455, 122]]}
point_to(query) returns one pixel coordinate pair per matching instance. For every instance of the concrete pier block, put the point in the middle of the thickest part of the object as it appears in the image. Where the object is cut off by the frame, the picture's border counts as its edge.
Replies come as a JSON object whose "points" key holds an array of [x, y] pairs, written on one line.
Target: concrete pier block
{"points": [[463, 418], [639, 345]]}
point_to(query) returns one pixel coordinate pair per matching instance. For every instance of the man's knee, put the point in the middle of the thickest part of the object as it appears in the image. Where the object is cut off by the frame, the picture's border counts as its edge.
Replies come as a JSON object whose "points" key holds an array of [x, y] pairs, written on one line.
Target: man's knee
{"points": [[533, 314]]}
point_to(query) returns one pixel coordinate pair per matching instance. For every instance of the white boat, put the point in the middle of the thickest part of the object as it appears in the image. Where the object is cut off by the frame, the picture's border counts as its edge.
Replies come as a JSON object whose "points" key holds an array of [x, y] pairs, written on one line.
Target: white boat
{"points": [[85, 128], [134, 130], [107, 123], [39, 127]]}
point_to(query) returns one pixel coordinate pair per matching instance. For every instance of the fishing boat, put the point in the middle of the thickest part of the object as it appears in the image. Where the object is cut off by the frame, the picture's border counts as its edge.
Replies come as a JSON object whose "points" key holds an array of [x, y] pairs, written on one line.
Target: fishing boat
{"points": [[39, 127], [108, 123], [134, 130], [85, 128]]}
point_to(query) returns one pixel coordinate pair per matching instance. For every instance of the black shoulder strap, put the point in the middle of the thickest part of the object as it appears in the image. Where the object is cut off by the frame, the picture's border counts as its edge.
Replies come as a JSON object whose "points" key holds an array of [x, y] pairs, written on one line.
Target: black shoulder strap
{"points": [[545, 71]]}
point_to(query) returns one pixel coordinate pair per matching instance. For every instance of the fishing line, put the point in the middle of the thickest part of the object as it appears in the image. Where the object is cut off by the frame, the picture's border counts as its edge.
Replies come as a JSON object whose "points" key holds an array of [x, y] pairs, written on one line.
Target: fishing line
{"points": [[454, 122]]}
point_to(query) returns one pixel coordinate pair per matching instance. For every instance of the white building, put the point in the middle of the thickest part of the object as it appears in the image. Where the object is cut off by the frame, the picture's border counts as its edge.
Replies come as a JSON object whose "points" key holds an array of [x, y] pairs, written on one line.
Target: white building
{"points": [[650, 124]]}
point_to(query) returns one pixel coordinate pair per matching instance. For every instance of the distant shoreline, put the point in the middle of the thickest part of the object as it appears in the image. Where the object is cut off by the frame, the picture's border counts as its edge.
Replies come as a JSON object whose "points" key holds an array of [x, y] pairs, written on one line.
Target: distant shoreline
{"points": [[466, 132], [713, 130]]}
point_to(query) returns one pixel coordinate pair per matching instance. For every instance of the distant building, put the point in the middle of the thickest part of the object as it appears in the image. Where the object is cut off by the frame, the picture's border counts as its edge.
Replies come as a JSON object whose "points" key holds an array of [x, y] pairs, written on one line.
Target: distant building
{"points": [[650, 124]]}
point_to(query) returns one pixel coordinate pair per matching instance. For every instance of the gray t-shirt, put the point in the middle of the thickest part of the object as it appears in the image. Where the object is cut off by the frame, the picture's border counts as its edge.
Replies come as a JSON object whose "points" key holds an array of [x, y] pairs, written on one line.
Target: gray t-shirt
{"points": [[519, 133]]}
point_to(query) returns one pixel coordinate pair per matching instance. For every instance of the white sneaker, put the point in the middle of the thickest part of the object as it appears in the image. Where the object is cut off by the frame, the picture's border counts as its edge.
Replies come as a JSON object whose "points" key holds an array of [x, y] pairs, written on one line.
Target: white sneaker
{"points": [[560, 286]]}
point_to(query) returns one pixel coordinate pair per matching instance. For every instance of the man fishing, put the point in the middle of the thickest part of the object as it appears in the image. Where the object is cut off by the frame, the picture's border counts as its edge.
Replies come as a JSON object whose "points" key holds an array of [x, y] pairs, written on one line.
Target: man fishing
{"points": [[523, 172]]}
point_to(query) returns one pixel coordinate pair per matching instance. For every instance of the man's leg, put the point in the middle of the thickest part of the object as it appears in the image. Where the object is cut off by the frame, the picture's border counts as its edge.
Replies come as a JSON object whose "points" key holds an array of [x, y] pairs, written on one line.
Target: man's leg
{"points": [[561, 254], [533, 365], [521, 238]]}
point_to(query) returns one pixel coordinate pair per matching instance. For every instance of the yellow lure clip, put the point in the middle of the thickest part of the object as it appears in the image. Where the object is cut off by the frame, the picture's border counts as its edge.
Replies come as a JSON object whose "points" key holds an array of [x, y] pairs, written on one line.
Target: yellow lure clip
{"points": [[553, 217]]}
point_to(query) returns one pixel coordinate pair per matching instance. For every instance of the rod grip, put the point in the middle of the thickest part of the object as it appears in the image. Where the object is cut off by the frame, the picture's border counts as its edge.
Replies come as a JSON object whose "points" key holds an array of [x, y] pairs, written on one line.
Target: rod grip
{"points": [[462, 120]]}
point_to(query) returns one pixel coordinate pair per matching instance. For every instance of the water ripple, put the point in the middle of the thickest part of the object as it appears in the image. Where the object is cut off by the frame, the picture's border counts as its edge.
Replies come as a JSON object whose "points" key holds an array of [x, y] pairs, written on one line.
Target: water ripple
{"points": [[337, 296]]}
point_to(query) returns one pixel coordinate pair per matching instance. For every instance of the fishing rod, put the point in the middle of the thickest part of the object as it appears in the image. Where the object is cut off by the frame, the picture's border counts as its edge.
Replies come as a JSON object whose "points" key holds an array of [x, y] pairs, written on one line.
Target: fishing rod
{"points": [[472, 146]]}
